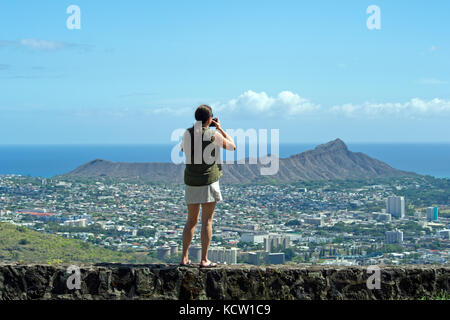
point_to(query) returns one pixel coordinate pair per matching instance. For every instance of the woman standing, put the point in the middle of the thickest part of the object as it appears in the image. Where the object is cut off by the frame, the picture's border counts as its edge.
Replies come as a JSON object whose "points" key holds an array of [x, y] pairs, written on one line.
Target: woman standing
{"points": [[202, 179]]}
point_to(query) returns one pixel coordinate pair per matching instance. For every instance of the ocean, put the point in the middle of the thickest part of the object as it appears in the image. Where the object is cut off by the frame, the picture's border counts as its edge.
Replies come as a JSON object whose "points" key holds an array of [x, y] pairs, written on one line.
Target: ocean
{"points": [[49, 160]]}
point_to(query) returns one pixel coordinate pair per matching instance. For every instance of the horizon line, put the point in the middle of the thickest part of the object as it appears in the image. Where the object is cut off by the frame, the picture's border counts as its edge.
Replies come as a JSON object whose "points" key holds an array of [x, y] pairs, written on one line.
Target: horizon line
{"points": [[174, 143]]}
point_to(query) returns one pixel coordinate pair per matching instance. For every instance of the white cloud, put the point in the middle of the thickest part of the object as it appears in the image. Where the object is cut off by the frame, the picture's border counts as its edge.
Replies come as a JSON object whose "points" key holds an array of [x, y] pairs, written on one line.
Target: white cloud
{"points": [[285, 103], [44, 45], [413, 108], [170, 111], [289, 105], [432, 81], [41, 44]]}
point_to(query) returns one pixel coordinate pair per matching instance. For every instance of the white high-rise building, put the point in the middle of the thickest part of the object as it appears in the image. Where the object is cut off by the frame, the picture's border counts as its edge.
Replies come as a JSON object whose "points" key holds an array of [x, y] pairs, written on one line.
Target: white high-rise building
{"points": [[222, 255], [396, 206], [395, 236], [163, 252], [196, 253], [273, 241], [234, 254], [432, 213], [255, 237], [173, 248]]}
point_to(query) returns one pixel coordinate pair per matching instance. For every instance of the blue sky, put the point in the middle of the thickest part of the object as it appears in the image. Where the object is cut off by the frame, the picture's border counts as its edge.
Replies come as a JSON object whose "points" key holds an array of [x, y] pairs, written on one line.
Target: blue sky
{"points": [[136, 70]]}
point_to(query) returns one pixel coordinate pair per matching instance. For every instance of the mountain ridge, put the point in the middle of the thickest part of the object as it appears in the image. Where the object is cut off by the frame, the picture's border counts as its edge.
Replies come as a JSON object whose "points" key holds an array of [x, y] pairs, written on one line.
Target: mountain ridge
{"points": [[331, 160]]}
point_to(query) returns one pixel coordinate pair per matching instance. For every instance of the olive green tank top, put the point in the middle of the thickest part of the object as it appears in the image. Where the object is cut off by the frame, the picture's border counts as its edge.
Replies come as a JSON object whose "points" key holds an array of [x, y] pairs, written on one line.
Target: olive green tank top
{"points": [[203, 173]]}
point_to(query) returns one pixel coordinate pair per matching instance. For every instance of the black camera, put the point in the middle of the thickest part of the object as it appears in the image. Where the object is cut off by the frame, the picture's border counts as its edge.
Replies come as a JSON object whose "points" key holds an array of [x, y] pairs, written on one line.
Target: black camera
{"points": [[212, 124]]}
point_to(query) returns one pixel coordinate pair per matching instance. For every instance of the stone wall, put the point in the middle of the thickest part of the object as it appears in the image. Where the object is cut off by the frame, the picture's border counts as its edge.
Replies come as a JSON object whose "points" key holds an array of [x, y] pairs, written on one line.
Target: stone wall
{"points": [[163, 281]]}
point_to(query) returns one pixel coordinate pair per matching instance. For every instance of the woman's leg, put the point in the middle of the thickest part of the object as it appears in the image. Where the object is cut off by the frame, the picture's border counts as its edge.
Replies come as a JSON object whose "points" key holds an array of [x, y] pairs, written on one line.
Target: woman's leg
{"points": [[207, 218], [189, 229]]}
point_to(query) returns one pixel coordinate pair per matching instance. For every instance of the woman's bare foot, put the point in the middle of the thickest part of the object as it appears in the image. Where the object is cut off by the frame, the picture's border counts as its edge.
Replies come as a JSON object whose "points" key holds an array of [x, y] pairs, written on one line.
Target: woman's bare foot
{"points": [[207, 264]]}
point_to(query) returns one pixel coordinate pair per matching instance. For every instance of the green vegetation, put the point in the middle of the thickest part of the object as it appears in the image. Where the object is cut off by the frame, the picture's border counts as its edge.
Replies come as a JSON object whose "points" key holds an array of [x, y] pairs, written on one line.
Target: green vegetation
{"points": [[175, 258], [248, 246], [434, 245], [444, 213], [432, 190], [356, 229], [21, 244], [388, 248], [289, 253], [442, 295], [412, 228]]}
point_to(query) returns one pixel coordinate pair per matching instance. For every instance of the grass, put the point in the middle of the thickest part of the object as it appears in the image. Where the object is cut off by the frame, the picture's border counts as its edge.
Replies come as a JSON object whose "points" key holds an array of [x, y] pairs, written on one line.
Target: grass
{"points": [[442, 295], [19, 244]]}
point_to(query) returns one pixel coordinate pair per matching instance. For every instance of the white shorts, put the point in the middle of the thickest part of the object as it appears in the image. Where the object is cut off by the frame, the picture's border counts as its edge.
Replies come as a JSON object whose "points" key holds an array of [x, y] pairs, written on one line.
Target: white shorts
{"points": [[203, 194]]}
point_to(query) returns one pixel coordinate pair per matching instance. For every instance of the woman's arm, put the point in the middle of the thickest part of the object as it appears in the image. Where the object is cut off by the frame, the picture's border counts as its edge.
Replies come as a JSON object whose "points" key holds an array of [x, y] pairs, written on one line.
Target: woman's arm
{"points": [[186, 135], [227, 141]]}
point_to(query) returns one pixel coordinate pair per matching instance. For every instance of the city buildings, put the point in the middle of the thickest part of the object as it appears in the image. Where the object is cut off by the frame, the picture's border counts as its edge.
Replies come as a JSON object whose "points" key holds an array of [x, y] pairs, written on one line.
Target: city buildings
{"points": [[222, 255], [432, 213], [396, 206], [273, 242], [444, 234], [348, 222], [163, 252], [76, 223], [254, 258], [254, 237], [317, 221], [276, 258], [173, 248], [382, 217], [395, 236], [195, 253]]}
